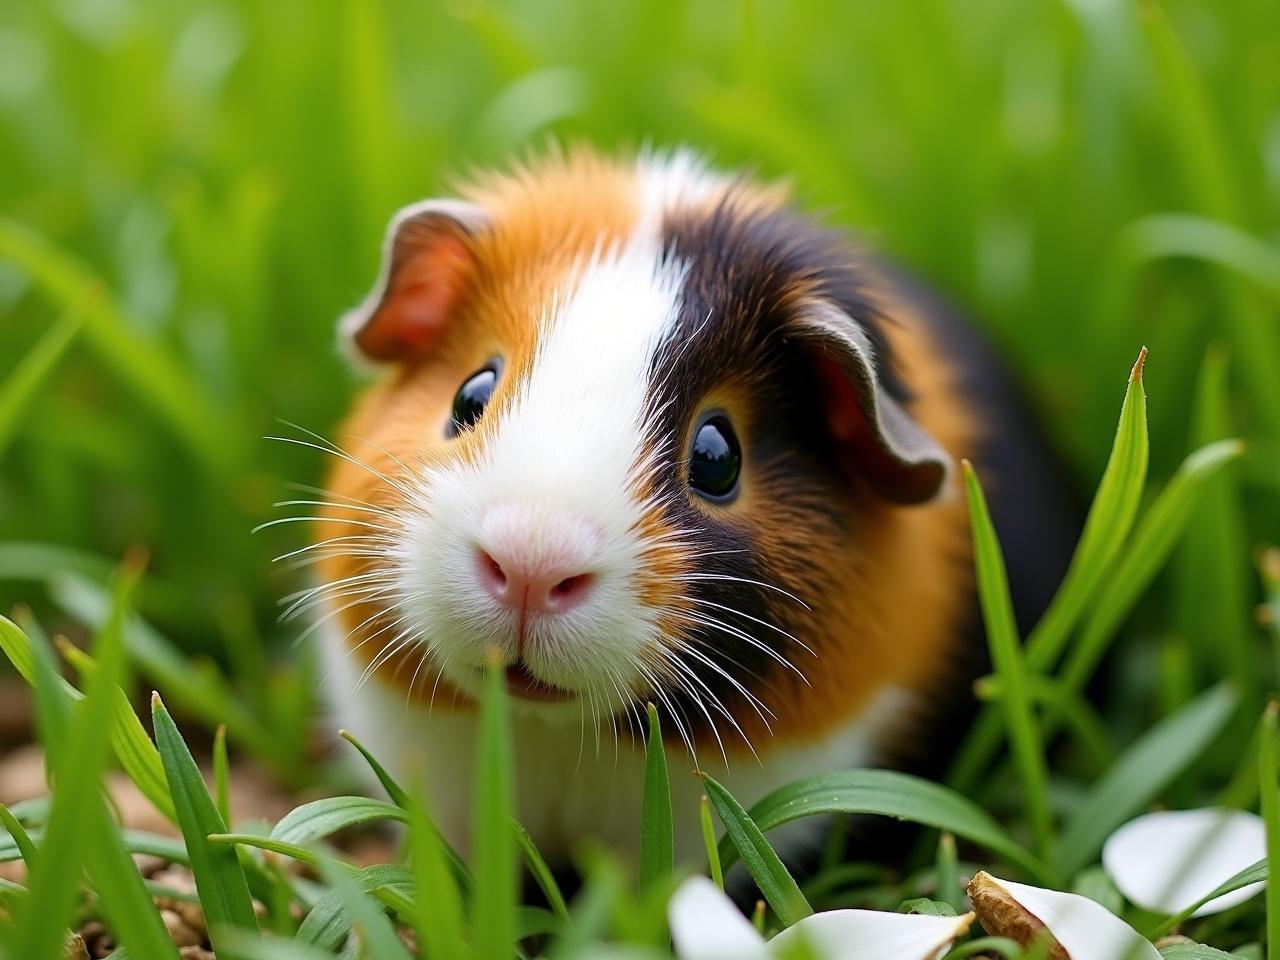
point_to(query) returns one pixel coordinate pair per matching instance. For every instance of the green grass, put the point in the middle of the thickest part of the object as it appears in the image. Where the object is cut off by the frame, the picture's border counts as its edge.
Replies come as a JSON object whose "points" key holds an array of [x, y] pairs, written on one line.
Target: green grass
{"points": [[190, 195]]}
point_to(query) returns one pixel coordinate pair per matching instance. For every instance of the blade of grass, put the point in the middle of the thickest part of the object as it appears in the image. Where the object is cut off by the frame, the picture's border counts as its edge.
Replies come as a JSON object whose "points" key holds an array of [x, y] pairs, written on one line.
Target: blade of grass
{"points": [[496, 892], [77, 758], [396, 792], [657, 851], [131, 912], [220, 881], [25, 380], [402, 799], [1010, 666], [768, 871], [1111, 516], [438, 896], [138, 756], [709, 841], [888, 793], [1152, 543], [1213, 562], [21, 840], [221, 774], [541, 873], [320, 818], [142, 365], [199, 690], [328, 922], [1142, 771], [1254, 873], [377, 936]]}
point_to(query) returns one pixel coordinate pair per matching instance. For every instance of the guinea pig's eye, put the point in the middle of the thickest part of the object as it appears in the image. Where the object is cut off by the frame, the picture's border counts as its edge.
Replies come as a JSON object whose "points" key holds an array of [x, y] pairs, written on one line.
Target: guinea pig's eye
{"points": [[715, 460], [471, 399]]}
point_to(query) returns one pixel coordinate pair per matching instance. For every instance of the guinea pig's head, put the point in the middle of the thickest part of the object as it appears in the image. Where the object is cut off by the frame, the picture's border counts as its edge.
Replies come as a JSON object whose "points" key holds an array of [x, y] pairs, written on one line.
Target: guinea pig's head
{"points": [[633, 419]]}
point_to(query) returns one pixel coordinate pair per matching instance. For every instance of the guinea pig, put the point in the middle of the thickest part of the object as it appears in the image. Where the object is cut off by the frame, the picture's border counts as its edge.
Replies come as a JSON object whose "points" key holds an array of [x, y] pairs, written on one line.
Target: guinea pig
{"points": [[647, 436]]}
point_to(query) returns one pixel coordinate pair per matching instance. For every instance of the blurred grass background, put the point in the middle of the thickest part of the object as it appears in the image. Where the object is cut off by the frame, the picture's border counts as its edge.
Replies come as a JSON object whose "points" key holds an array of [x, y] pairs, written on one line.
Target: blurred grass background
{"points": [[191, 192]]}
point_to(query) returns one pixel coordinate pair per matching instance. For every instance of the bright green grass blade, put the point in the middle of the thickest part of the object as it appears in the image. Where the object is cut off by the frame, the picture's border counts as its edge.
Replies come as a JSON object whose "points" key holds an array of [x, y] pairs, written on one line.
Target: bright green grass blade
{"points": [[1254, 873], [24, 381], [131, 912], [1269, 789], [1021, 723], [1178, 235], [1111, 516], [1141, 772], [497, 886], [603, 895], [143, 366], [23, 560], [283, 847], [709, 841], [401, 799], [221, 774], [439, 901], [220, 881], [133, 748], [657, 851], [18, 834], [542, 874], [947, 871], [1088, 726], [135, 841], [888, 793], [78, 757], [396, 792], [1213, 589], [200, 689], [377, 936], [768, 871], [320, 818], [138, 756], [328, 922], [1152, 542]]}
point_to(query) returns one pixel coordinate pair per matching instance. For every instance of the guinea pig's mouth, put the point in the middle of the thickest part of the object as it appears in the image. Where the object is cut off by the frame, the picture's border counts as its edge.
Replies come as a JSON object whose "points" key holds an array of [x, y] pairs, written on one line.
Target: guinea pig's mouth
{"points": [[522, 683]]}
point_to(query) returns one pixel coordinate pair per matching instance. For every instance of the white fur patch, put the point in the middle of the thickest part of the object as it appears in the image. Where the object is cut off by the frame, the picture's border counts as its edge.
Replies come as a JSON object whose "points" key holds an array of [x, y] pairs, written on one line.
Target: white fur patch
{"points": [[571, 785], [558, 477]]}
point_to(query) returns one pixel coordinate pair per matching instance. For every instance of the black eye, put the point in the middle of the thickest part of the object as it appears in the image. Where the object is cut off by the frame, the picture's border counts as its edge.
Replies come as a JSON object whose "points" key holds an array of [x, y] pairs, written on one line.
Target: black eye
{"points": [[471, 399], [715, 460]]}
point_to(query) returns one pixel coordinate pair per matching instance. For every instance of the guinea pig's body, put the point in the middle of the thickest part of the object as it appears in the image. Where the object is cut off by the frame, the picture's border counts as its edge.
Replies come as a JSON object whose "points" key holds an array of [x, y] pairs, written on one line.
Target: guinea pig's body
{"points": [[646, 437]]}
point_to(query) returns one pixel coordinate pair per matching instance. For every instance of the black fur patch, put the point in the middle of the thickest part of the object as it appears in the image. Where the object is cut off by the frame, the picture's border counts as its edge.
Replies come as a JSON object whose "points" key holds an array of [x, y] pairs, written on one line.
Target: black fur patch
{"points": [[743, 268]]}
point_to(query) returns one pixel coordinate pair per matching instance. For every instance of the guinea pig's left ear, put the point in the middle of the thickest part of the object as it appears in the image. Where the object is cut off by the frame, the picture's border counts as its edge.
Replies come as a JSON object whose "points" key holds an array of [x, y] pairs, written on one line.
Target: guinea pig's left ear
{"points": [[876, 437], [428, 261]]}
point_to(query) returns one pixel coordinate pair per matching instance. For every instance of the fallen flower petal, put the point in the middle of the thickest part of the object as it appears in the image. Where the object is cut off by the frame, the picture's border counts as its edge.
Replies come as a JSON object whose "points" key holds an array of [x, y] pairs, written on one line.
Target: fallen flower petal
{"points": [[1164, 862], [872, 935], [1081, 928], [705, 925]]}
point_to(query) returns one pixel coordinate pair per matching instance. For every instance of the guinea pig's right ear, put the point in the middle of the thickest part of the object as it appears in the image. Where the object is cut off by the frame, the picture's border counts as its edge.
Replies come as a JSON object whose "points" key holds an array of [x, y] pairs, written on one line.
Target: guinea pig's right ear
{"points": [[428, 261]]}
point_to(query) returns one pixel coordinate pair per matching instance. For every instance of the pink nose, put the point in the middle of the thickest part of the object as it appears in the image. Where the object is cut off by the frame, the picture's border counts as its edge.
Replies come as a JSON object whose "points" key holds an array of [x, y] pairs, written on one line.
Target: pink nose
{"points": [[536, 561], [533, 588]]}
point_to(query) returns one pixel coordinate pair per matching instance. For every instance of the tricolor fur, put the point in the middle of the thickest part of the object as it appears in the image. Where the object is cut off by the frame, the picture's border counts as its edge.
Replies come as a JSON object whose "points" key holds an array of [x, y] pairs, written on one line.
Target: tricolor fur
{"points": [[788, 632]]}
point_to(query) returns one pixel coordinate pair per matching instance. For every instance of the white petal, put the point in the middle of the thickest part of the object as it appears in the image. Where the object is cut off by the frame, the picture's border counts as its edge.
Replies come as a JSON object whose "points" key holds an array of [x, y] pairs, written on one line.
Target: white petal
{"points": [[1164, 862], [705, 925], [872, 935], [1086, 930]]}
